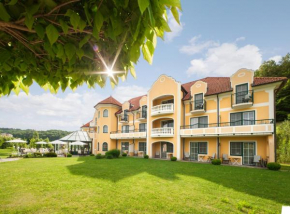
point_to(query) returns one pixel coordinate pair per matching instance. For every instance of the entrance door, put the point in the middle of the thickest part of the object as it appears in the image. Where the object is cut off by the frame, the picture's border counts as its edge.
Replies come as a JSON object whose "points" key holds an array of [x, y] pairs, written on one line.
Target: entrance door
{"points": [[163, 150], [124, 147], [194, 151], [248, 153]]}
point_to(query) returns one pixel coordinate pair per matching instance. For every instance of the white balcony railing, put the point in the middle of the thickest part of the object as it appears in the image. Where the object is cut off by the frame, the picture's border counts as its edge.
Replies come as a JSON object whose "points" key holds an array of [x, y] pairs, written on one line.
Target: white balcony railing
{"points": [[93, 124], [162, 132], [162, 109], [133, 134]]}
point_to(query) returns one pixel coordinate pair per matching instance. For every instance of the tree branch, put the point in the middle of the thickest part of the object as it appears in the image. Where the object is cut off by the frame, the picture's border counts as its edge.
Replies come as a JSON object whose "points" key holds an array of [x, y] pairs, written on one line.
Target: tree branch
{"points": [[61, 5], [18, 27]]}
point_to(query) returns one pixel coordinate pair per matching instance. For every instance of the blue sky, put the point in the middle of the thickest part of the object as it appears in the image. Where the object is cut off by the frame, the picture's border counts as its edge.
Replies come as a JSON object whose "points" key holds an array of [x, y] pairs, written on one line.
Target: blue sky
{"points": [[215, 39]]}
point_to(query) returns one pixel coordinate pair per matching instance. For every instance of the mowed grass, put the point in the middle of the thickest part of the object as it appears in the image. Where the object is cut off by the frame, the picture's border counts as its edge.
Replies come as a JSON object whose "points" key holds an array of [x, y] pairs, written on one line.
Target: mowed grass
{"points": [[132, 185], [4, 153]]}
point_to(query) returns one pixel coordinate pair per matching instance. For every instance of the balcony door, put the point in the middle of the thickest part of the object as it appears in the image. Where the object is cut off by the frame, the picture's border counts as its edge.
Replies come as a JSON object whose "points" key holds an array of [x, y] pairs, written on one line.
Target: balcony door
{"points": [[167, 123], [198, 101], [124, 147], [248, 153], [199, 122], [241, 92], [142, 127], [144, 112], [125, 129], [194, 151], [243, 118], [166, 147]]}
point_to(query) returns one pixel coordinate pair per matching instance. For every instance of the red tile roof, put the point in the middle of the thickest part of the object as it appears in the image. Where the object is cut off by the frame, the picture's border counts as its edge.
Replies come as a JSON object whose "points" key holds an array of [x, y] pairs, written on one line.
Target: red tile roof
{"points": [[86, 125], [110, 100], [134, 104], [217, 85]]}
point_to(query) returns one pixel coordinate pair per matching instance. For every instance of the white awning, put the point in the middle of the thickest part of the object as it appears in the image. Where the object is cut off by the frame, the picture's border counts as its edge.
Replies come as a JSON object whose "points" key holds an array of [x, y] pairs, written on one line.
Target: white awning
{"points": [[58, 142], [78, 143], [16, 141]]}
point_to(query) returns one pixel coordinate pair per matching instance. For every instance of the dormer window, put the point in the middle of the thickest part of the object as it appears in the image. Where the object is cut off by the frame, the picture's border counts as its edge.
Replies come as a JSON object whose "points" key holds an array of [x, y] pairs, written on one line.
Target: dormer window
{"points": [[242, 94]]}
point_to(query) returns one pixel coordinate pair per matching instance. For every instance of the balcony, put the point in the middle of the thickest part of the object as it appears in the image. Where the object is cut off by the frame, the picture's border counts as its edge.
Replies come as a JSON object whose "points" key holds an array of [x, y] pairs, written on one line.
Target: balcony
{"points": [[197, 106], [141, 116], [93, 124], [162, 132], [243, 99], [129, 134], [123, 118], [238, 128], [162, 109]]}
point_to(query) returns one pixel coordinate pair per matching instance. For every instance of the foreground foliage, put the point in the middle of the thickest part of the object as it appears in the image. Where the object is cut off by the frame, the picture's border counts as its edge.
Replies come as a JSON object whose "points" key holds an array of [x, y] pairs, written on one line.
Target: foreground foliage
{"points": [[137, 185], [56, 42], [283, 141]]}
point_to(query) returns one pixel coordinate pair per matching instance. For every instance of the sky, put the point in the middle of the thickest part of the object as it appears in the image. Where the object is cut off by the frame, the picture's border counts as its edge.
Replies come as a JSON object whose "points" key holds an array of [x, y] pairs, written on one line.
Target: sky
{"points": [[215, 38]]}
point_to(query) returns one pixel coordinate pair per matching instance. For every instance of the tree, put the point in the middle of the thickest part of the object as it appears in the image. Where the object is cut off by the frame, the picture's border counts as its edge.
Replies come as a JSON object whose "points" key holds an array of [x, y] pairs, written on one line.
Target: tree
{"points": [[61, 43], [283, 139], [281, 69]]}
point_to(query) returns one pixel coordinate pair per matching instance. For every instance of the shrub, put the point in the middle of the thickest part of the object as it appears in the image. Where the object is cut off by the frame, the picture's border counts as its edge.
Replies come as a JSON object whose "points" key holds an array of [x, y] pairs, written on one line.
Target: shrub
{"points": [[124, 154], [37, 154], [216, 162], [109, 156], [146, 156], [173, 158], [69, 155], [274, 166], [114, 152], [92, 155], [99, 156], [51, 154]]}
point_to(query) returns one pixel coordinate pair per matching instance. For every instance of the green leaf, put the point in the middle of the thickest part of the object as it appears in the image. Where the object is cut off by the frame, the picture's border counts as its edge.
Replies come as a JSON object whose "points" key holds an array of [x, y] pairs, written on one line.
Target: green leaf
{"points": [[165, 25], [3, 13], [143, 4], [12, 2], [135, 53], [99, 20], [64, 26], [39, 30], [74, 19], [29, 20], [150, 47], [88, 15], [173, 3], [136, 33], [52, 34], [4, 56], [151, 17], [84, 41], [60, 51], [80, 53], [70, 50], [133, 72], [146, 54], [82, 25], [175, 14]]}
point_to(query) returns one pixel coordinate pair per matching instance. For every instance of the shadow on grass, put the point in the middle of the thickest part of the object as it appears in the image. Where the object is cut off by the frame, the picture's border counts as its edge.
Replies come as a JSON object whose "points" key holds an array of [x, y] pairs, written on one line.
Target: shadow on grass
{"points": [[262, 183]]}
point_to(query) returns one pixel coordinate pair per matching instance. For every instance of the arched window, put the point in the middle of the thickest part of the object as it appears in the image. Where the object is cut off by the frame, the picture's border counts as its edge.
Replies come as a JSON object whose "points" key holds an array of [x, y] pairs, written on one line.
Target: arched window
{"points": [[105, 129], [105, 113], [105, 147], [98, 129], [98, 146]]}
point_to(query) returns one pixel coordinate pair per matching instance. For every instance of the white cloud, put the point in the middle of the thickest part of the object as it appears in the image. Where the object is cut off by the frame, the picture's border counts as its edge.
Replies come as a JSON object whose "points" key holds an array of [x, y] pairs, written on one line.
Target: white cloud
{"points": [[194, 47], [224, 59], [240, 39], [174, 26], [124, 93], [47, 111], [276, 58]]}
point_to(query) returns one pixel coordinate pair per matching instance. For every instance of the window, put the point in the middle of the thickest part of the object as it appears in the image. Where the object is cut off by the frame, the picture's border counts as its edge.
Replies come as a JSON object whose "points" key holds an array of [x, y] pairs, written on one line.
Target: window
{"points": [[142, 127], [236, 148], [241, 93], [105, 113], [167, 123], [199, 122], [243, 118], [167, 101], [96, 120], [125, 146], [105, 147], [142, 147], [144, 112], [105, 129], [125, 129], [98, 146], [202, 147], [170, 147], [125, 117], [198, 101], [98, 114]]}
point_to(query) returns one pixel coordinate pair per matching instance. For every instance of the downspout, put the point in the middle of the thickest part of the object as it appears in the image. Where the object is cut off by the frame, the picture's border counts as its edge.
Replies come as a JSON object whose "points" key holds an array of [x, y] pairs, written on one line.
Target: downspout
{"points": [[275, 138], [218, 123], [117, 131], [183, 139]]}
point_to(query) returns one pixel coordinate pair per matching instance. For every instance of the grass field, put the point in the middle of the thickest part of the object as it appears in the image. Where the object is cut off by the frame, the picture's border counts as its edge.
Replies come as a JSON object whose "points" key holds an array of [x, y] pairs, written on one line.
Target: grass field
{"points": [[132, 185], [4, 153]]}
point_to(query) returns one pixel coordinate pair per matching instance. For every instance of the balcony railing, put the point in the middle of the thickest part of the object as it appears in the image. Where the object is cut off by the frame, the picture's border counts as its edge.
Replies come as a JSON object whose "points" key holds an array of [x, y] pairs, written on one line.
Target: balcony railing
{"points": [[198, 106], [243, 98], [93, 124], [162, 109], [241, 127], [141, 115], [128, 134], [162, 132]]}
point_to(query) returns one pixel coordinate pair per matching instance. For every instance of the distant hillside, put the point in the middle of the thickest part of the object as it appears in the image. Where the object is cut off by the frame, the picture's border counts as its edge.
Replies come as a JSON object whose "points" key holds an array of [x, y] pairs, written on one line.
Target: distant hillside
{"points": [[28, 133]]}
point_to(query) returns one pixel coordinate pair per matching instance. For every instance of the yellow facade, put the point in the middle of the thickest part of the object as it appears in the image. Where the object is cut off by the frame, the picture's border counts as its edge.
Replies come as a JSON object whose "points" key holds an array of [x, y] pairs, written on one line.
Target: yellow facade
{"points": [[193, 121]]}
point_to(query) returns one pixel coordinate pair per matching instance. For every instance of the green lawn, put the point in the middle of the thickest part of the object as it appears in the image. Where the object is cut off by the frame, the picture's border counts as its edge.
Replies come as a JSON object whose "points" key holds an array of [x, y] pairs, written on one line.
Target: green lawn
{"points": [[4, 153], [132, 185]]}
